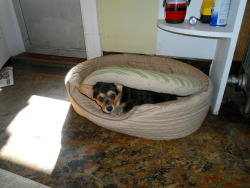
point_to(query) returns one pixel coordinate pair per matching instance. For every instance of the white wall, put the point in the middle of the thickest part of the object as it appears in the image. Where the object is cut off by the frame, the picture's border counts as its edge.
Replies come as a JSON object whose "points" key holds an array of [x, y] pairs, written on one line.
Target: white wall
{"points": [[4, 52], [168, 44], [10, 28], [176, 45]]}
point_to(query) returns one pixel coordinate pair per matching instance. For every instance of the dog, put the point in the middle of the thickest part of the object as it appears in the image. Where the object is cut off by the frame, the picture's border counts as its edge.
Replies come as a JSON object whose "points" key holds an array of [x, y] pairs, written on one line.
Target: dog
{"points": [[118, 99]]}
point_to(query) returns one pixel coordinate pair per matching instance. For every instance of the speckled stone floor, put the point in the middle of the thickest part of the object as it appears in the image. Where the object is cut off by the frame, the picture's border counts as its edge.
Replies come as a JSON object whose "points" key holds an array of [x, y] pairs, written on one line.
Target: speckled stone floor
{"points": [[216, 155]]}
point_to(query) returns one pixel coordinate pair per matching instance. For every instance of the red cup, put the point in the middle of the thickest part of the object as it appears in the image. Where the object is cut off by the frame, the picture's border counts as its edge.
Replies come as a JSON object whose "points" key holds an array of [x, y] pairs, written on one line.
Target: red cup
{"points": [[175, 12]]}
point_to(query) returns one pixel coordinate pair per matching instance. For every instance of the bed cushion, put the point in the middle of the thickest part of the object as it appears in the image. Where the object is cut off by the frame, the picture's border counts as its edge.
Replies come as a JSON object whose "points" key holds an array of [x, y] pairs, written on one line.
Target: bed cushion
{"points": [[173, 83]]}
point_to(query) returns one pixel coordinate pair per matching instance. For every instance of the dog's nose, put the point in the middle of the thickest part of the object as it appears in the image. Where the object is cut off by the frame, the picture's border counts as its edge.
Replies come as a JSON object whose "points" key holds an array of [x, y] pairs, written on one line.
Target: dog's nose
{"points": [[109, 108]]}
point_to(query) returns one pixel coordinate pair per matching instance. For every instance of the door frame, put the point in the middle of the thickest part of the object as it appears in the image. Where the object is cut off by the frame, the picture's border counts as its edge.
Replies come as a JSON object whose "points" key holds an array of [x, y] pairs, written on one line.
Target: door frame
{"points": [[90, 21], [89, 9]]}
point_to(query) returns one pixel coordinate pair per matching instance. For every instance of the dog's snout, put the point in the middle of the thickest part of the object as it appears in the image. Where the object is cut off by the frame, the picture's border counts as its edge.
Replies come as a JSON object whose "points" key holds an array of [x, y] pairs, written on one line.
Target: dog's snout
{"points": [[109, 108]]}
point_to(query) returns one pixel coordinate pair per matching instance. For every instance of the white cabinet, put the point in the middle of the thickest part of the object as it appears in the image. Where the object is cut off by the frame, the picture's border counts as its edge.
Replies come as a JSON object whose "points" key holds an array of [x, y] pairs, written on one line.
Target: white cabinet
{"points": [[224, 49]]}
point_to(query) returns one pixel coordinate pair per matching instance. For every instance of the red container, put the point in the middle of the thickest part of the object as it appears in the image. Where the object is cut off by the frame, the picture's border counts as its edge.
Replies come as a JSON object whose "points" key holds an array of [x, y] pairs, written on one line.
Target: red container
{"points": [[175, 11]]}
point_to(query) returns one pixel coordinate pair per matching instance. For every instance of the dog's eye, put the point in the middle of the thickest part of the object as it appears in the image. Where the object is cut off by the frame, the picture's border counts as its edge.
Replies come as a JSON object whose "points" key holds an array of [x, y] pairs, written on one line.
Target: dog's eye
{"points": [[101, 99], [112, 96]]}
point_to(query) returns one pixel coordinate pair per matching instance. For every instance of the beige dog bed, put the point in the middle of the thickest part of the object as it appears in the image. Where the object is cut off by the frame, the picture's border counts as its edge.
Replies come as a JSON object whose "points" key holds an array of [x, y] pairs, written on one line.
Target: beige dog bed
{"points": [[163, 121]]}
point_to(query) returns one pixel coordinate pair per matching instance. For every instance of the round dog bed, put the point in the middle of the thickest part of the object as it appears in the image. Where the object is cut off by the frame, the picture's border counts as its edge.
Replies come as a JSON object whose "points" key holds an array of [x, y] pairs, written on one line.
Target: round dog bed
{"points": [[162, 121]]}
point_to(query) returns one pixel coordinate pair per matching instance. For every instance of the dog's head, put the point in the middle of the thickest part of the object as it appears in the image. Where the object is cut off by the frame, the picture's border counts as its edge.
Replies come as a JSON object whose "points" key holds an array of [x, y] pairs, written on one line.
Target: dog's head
{"points": [[106, 95]]}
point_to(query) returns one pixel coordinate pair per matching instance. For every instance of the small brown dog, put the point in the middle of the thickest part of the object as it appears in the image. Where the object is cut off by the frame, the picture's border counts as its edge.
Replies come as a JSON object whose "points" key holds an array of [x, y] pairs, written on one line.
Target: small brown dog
{"points": [[118, 99]]}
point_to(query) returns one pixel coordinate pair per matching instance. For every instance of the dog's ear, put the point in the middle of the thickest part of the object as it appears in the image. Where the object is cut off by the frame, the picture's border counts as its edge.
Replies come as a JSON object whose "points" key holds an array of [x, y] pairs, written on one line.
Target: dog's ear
{"points": [[86, 90], [119, 87]]}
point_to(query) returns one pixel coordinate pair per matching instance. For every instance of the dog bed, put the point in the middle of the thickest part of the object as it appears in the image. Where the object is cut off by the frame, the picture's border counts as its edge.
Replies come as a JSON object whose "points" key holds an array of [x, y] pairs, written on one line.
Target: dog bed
{"points": [[163, 121]]}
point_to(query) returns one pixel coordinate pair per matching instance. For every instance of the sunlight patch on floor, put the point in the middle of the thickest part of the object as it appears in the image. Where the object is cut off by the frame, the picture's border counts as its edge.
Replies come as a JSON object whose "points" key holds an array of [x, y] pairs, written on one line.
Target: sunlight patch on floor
{"points": [[35, 134]]}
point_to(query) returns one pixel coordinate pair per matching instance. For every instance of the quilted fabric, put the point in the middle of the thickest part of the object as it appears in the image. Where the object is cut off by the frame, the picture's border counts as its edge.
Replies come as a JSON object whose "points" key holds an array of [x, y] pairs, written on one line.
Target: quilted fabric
{"points": [[178, 84]]}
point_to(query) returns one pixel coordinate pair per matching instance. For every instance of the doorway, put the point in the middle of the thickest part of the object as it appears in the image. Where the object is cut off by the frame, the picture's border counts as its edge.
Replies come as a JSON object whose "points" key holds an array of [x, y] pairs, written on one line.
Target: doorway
{"points": [[52, 27]]}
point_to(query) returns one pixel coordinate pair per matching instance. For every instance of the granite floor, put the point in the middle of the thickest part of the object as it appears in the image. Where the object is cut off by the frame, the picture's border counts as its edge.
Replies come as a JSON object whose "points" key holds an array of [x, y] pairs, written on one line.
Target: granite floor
{"points": [[43, 139]]}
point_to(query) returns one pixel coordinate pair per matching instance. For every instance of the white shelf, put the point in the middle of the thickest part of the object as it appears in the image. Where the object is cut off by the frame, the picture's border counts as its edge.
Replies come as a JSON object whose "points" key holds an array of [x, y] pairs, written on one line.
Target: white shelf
{"points": [[226, 40], [200, 29]]}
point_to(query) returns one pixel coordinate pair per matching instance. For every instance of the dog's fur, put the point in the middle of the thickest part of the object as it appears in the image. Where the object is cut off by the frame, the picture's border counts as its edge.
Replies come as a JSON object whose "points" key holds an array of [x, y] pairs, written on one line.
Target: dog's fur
{"points": [[118, 99]]}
